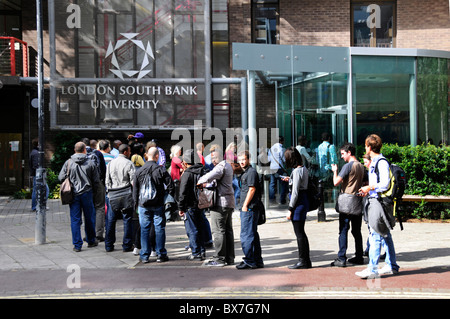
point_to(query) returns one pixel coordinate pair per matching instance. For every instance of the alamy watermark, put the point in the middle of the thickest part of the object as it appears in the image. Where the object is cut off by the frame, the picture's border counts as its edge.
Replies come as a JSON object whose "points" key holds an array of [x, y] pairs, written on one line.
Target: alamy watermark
{"points": [[74, 279]]}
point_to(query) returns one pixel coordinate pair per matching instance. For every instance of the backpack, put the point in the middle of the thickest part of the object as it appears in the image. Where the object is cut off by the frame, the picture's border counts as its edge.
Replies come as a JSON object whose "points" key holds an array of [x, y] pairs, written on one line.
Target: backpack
{"points": [[396, 187], [313, 193], [397, 184], [147, 192]]}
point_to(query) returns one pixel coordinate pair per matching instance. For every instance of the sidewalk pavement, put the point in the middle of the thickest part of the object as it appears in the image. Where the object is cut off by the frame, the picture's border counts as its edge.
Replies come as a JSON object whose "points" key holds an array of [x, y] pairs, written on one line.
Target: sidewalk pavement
{"points": [[423, 253]]}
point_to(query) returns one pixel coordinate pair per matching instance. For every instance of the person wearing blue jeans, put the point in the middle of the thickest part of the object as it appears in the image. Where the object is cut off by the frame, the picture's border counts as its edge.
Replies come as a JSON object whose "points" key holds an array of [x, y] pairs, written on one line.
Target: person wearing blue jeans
{"points": [[34, 165], [249, 204], [83, 203], [195, 231], [110, 225], [147, 216], [277, 161], [34, 194], [379, 217], [84, 177], [151, 210]]}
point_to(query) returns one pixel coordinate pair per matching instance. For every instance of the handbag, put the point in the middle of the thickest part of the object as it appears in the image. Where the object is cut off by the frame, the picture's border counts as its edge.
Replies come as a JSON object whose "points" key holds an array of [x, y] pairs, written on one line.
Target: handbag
{"points": [[349, 204], [65, 190], [121, 199], [206, 197]]}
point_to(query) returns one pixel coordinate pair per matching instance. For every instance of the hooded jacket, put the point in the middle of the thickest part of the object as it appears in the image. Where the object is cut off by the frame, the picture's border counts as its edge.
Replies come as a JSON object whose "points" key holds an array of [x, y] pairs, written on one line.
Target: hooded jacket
{"points": [[83, 174], [188, 183]]}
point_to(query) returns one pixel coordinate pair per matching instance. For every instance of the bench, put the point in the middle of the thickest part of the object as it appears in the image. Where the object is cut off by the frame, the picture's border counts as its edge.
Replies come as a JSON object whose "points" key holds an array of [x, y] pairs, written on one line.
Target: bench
{"points": [[427, 198]]}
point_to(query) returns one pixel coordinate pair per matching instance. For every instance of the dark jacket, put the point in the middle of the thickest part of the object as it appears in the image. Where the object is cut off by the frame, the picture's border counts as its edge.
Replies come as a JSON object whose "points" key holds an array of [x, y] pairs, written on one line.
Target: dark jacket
{"points": [[188, 182], [83, 174], [34, 161], [161, 179]]}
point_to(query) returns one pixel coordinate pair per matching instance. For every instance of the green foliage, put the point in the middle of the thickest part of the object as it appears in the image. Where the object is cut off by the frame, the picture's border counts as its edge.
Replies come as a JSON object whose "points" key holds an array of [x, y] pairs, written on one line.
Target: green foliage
{"points": [[426, 167], [22, 194], [65, 142]]}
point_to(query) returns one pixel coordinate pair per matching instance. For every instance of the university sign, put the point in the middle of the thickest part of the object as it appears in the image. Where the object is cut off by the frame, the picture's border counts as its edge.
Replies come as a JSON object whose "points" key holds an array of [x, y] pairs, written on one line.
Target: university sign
{"points": [[108, 96], [140, 97]]}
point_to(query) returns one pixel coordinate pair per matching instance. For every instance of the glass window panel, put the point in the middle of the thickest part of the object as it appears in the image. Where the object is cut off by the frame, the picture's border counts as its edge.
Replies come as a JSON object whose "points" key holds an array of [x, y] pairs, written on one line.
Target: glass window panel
{"points": [[265, 21], [382, 98], [433, 102], [373, 24]]}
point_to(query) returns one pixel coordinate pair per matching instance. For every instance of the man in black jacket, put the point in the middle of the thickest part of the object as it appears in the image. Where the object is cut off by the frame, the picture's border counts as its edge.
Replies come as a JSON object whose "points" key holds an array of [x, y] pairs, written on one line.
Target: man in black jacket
{"points": [[84, 177], [188, 205], [153, 211]]}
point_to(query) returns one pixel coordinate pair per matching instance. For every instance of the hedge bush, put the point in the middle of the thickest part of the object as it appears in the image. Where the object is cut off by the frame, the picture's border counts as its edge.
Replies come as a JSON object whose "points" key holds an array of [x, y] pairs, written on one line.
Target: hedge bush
{"points": [[427, 171]]}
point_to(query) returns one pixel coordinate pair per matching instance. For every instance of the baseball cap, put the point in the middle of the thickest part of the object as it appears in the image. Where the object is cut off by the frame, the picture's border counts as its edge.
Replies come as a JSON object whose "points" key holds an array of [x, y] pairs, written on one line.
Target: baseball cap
{"points": [[138, 135]]}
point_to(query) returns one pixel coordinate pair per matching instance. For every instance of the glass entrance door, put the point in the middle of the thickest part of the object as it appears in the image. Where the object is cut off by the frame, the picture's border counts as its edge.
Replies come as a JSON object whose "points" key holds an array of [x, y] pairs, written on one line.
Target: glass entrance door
{"points": [[314, 125]]}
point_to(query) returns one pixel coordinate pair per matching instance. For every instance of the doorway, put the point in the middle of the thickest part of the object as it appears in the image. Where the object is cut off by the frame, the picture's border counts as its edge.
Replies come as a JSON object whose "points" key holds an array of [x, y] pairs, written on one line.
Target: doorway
{"points": [[11, 164]]}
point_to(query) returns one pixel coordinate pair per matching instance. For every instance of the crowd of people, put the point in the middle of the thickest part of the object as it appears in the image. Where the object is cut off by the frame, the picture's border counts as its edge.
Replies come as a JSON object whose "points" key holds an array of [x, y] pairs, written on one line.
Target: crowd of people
{"points": [[129, 181]]}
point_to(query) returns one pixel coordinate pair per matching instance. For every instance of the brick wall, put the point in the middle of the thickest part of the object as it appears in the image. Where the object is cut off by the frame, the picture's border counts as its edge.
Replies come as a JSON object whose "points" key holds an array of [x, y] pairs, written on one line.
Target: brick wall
{"points": [[318, 23], [423, 24]]}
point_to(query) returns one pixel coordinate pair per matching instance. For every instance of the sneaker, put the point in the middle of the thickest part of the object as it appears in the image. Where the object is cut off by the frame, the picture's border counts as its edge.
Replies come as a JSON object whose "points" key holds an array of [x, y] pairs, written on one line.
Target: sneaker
{"points": [[153, 254], [144, 261], [77, 250], [214, 263], [356, 261], [162, 258], [386, 270], [338, 263], [125, 250], [367, 274], [136, 251], [195, 257]]}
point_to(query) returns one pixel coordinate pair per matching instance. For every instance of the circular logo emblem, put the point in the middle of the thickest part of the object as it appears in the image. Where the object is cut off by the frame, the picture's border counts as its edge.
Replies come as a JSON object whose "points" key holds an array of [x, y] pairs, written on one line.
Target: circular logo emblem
{"points": [[112, 51]]}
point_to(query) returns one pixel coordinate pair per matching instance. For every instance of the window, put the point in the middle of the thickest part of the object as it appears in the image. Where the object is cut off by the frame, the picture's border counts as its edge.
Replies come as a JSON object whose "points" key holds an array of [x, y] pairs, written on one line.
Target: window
{"points": [[373, 24], [265, 21]]}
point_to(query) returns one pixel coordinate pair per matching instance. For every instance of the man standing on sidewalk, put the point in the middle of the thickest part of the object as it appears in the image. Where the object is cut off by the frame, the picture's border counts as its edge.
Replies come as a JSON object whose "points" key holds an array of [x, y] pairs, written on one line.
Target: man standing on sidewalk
{"points": [[379, 218], [351, 179], [188, 205], [119, 176], [249, 205], [84, 177], [152, 212], [221, 214], [99, 190]]}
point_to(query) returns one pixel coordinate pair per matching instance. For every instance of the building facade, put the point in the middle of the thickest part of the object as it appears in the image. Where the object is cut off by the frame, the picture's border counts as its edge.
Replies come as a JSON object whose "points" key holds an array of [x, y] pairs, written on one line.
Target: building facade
{"points": [[116, 67]]}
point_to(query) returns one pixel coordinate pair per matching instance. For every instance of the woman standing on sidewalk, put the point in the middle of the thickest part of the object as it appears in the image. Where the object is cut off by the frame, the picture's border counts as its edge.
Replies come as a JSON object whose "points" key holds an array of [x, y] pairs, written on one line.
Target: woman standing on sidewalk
{"points": [[298, 205]]}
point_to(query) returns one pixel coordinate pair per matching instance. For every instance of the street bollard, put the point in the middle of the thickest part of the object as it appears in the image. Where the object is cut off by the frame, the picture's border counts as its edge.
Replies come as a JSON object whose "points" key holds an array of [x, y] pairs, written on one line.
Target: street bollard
{"points": [[321, 217]]}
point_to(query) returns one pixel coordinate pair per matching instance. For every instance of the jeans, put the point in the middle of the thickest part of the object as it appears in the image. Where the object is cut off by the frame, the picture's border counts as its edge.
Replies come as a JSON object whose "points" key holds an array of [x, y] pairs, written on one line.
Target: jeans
{"points": [[376, 241], [250, 242], [274, 179], [110, 233], [149, 216], [85, 203], [195, 229], [99, 204], [34, 194], [344, 226], [222, 230]]}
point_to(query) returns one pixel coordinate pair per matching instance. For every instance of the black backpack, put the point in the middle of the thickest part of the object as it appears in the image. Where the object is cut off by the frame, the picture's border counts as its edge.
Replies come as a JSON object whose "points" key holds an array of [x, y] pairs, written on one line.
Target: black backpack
{"points": [[396, 188], [313, 193], [397, 184]]}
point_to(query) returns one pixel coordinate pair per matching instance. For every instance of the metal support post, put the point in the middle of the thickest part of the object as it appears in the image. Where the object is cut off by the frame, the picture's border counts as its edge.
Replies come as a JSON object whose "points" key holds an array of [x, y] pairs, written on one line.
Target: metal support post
{"points": [[208, 65], [321, 217], [40, 228]]}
